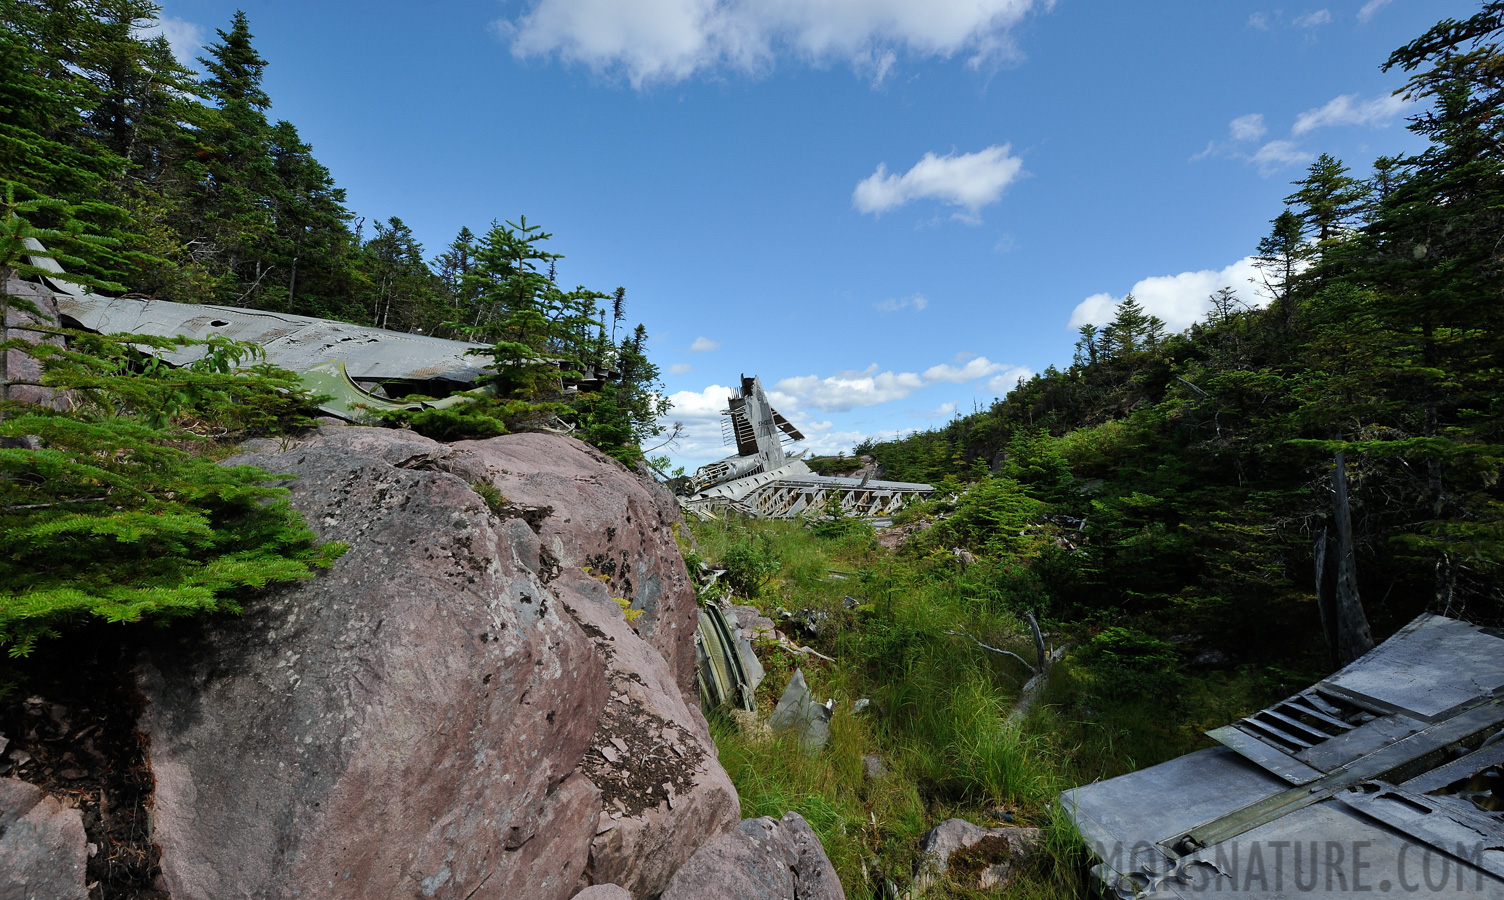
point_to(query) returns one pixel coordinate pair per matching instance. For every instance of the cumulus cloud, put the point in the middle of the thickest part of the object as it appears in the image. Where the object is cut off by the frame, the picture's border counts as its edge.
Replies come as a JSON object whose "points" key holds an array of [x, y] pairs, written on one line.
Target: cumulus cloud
{"points": [[679, 368], [670, 40], [943, 411], [967, 180], [1000, 385], [1276, 155], [1348, 110], [1247, 128], [974, 368], [704, 345], [844, 391], [917, 303], [185, 38], [1370, 8], [1177, 299], [1313, 19]]}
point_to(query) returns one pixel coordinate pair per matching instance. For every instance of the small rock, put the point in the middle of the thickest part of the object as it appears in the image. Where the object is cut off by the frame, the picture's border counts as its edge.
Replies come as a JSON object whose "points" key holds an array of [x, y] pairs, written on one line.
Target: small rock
{"points": [[603, 892], [763, 859], [850, 602], [73, 774], [963, 556], [43, 850], [20, 757], [858, 706], [873, 768], [967, 851]]}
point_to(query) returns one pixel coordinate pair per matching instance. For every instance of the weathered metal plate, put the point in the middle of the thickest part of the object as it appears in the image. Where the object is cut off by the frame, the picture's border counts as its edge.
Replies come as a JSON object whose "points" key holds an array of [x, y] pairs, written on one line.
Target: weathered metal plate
{"points": [[1282, 764], [1432, 665], [1168, 799], [1445, 824], [293, 342]]}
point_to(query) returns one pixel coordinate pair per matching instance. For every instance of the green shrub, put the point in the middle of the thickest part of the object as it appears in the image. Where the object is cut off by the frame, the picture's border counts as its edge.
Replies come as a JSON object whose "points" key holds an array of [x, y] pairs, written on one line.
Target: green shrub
{"points": [[115, 508], [1126, 662], [750, 562]]}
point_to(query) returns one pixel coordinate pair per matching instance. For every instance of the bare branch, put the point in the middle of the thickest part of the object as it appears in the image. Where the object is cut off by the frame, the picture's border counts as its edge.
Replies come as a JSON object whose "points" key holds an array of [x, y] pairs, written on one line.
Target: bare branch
{"points": [[994, 649]]}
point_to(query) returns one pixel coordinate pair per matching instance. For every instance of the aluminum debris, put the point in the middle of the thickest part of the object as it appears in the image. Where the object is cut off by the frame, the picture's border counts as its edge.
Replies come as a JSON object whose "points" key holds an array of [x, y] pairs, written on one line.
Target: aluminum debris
{"points": [[764, 481], [1388, 776]]}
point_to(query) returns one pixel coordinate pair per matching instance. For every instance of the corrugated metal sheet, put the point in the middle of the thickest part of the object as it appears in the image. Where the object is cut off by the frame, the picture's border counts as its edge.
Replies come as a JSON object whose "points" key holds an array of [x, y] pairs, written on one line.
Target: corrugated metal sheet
{"points": [[293, 342]]}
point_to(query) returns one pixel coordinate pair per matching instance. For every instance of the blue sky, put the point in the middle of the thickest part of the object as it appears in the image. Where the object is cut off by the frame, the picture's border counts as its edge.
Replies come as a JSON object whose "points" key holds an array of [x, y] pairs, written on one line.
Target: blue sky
{"points": [[887, 209]]}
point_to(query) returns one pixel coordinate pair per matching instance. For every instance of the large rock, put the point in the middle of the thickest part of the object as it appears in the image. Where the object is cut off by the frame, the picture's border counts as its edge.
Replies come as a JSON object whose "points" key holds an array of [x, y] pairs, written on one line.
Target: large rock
{"points": [[972, 856], [42, 848], [587, 516], [24, 371], [663, 792], [763, 859], [427, 718]]}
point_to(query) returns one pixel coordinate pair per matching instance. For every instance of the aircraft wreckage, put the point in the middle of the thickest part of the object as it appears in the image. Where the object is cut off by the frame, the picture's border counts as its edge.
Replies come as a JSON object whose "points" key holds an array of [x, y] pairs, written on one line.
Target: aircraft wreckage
{"points": [[1386, 777], [357, 367], [360, 368], [765, 481]]}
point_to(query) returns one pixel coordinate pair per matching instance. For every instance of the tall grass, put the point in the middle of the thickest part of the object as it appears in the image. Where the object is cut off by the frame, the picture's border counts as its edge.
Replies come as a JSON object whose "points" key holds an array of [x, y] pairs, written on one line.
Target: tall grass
{"points": [[939, 703]]}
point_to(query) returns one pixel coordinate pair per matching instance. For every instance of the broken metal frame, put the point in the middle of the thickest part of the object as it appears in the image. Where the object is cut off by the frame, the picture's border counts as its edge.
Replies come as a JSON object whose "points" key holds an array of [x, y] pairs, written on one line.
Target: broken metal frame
{"points": [[1373, 753], [765, 481], [349, 364]]}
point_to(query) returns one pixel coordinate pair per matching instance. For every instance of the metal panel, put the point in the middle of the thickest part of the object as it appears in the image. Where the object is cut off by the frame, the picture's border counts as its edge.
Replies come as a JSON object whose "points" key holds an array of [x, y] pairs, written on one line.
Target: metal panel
{"points": [[293, 342], [1446, 663]]}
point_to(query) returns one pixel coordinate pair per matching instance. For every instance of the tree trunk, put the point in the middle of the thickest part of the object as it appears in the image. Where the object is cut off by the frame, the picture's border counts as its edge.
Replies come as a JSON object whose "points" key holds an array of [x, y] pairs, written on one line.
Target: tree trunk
{"points": [[1324, 604], [1353, 636]]}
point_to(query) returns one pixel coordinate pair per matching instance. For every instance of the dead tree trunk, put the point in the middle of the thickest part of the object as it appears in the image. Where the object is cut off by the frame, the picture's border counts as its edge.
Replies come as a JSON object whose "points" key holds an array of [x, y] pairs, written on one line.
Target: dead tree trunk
{"points": [[1353, 637], [1324, 604]]}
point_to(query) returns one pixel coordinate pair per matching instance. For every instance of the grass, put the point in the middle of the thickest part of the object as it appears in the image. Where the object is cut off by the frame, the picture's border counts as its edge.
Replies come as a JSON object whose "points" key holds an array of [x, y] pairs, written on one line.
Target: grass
{"points": [[939, 704], [936, 719]]}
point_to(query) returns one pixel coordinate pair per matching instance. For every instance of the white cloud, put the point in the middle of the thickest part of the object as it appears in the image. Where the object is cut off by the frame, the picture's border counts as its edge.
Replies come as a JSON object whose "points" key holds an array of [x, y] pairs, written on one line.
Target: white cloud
{"points": [[1276, 155], [1313, 19], [670, 40], [970, 181], [185, 38], [1348, 110], [844, 391], [917, 303], [943, 411], [1177, 299], [707, 404], [1000, 385], [679, 368], [1260, 21], [704, 345], [1247, 128], [977, 367], [1371, 7]]}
